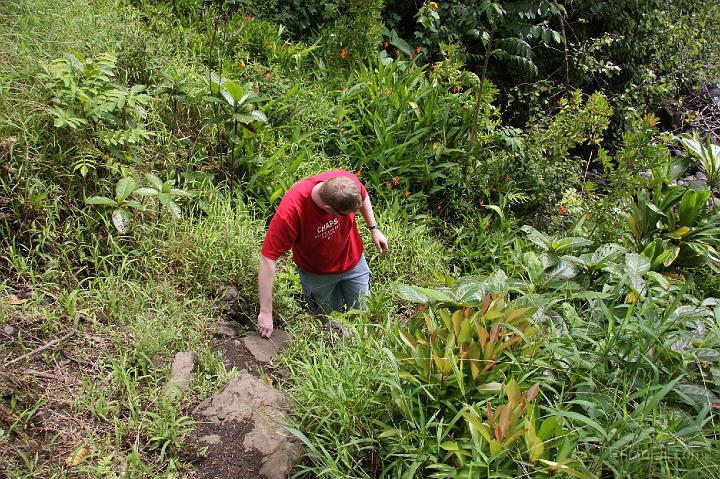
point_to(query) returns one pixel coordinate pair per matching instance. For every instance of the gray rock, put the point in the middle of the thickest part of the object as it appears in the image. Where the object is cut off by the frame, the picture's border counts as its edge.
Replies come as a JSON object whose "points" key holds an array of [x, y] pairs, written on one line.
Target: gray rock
{"points": [[211, 439], [9, 330], [265, 349], [245, 397], [334, 327], [279, 463], [228, 329], [183, 372]]}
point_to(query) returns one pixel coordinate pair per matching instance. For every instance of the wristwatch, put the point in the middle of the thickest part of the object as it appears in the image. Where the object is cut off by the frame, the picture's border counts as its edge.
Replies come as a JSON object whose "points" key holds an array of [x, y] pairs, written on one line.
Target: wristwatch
{"points": [[374, 227]]}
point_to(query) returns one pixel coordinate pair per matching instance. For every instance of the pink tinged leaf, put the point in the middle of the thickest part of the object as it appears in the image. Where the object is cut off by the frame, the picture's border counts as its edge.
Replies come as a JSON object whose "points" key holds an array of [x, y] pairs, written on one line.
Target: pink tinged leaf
{"points": [[532, 392]]}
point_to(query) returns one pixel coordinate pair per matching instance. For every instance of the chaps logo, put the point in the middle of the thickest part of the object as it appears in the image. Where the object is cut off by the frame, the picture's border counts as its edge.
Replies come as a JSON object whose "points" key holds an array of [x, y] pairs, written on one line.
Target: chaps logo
{"points": [[328, 229]]}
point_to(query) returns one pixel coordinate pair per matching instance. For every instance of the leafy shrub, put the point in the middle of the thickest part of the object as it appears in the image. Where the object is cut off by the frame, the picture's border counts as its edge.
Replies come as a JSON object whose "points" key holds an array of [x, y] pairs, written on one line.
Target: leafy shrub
{"points": [[544, 166], [468, 342], [403, 132], [84, 94]]}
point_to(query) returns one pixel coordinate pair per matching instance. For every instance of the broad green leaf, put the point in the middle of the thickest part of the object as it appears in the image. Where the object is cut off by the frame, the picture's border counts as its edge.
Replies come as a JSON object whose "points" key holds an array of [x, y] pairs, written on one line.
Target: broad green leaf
{"points": [[565, 244], [235, 91], [121, 219], [170, 204], [566, 469], [606, 252], [100, 200], [145, 191], [636, 265], [695, 394], [548, 428], [408, 339], [155, 181], [416, 294], [679, 233], [402, 45], [707, 354], [692, 203], [450, 446], [258, 116], [536, 237], [534, 267], [562, 271], [179, 192], [125, 187], [579, 418]]}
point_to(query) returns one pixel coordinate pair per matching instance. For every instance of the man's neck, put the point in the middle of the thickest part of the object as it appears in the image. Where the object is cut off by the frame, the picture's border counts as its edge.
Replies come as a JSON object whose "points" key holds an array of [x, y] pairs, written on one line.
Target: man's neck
{"points": [[315, 196]]}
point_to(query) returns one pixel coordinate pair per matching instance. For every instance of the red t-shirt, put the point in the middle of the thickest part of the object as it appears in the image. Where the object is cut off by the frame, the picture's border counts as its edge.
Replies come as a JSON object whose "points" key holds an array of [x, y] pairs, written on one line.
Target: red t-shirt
{"points": [[322, 243]]}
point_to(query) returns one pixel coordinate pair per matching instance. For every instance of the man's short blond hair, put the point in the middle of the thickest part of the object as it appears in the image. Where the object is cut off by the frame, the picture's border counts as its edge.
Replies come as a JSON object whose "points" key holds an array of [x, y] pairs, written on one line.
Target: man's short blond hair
{"points": [[342, 193]]}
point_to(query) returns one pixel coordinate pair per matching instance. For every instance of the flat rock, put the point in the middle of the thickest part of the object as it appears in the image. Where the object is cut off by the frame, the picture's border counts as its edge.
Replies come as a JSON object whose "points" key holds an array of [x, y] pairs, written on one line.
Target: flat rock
{"points": [[228, 329], [183, 372], [244, 398], [265, 349]]}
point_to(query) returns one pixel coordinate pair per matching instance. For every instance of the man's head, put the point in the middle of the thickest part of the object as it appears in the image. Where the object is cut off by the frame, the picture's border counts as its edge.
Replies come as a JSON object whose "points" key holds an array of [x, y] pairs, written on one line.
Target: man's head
{"points": [[342, 194]]}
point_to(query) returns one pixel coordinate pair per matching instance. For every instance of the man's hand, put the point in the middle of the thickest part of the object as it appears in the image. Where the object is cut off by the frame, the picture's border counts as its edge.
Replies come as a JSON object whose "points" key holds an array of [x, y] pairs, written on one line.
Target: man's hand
{"points": [[380, 240], [265, 322]]}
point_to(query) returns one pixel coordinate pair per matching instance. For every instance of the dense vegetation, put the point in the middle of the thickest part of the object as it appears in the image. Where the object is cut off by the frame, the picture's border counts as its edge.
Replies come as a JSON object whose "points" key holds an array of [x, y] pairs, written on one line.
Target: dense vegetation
{"points": [[544, 171]]}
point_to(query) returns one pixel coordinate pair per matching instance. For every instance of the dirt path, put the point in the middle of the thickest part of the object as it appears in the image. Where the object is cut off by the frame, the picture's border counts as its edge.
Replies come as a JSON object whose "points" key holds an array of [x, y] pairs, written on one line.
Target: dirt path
{"points": [[239, 434]]}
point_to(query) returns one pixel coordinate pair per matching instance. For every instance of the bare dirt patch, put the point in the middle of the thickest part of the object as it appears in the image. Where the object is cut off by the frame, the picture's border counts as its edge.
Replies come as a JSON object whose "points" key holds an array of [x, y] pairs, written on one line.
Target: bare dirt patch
{"points": [[225, 459]]}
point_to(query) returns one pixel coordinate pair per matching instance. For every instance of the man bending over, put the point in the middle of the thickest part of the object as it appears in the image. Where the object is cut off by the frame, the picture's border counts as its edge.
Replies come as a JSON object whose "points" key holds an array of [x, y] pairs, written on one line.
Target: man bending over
{"points": [[316, 219]]}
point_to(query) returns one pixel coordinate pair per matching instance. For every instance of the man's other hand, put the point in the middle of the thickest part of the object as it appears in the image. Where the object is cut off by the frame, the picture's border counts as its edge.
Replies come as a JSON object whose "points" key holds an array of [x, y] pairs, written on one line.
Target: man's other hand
{"points": [[380, 240], [265, 322]]}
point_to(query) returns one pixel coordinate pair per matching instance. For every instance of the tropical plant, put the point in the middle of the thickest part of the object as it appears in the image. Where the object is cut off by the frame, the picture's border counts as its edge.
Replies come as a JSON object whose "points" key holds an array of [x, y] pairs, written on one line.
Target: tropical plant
{"points": [[402, 131], [465, 343], [121, 216], [83, 93], [236, 109], [708, 154], [674, 228], [164, 192]]}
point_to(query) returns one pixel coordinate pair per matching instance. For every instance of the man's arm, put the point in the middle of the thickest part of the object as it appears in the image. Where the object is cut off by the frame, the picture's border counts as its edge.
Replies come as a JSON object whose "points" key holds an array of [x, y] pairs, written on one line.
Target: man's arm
{"points": [[266, 280], [377, 236]]}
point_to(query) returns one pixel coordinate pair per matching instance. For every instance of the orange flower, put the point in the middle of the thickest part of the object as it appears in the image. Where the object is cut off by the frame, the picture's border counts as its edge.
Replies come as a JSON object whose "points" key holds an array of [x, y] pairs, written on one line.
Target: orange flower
{"points": [[563, 210], [386, 43], [482, 202], [249, 18], [358, 173], [587, 216], [269, 74], [410, 57], [344, 53], [418, 50], [440, 206], [454, 89], [422, 307], [241, 64], [397, 53], [407, 193], [390, 186], [507, 177], [395, 180]]}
